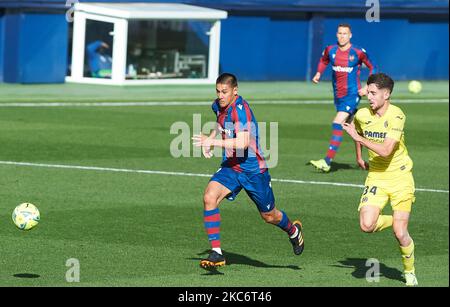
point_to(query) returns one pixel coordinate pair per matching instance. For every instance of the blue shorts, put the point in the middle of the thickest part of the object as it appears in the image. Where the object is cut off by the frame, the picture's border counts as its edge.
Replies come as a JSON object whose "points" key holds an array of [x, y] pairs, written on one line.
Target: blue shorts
{"points": [[257, 186], [347, 104]]}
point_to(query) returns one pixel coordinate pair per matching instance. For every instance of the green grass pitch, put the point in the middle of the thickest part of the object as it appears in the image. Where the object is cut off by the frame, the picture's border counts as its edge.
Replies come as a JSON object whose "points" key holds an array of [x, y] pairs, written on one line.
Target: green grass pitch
{"points": [[143, 229]]}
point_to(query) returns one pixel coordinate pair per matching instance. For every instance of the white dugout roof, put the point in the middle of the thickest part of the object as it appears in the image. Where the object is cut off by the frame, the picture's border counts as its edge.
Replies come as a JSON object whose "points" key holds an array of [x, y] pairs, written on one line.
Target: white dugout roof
{"points": [[151, 11]]}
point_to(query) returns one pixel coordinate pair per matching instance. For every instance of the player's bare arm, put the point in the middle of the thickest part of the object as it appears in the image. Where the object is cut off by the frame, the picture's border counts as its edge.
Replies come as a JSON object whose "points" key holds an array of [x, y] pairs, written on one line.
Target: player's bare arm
{"points": [[316, 77], [383, 149], [363, 91], [241, 141], [207, 151], [359, 160]]}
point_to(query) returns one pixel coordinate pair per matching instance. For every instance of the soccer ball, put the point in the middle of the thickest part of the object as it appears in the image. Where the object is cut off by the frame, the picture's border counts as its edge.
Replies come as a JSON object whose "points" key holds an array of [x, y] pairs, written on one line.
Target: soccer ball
{"points": [[415, 87], [26, 216]]}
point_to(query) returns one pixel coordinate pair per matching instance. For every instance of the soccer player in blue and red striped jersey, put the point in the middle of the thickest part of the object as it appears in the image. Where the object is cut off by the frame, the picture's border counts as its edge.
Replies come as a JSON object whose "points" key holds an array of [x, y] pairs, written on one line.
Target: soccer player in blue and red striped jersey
{"points": [[243, 167], [346, 60]]}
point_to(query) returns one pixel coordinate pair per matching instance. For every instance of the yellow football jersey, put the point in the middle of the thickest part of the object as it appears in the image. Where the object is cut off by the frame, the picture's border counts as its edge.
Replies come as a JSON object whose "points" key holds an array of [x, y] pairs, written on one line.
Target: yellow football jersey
{"points": [[376, 129]]}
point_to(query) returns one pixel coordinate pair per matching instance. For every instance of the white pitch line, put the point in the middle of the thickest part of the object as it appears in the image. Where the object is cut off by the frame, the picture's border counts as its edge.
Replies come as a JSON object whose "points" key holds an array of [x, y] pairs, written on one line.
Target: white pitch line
{"points": [[124, 170], [193, 103], [103, 169]]}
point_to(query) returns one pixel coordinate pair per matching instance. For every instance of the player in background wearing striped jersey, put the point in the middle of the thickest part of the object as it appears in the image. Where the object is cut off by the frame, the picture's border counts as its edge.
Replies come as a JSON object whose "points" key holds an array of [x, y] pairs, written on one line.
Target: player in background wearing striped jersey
{"points": [[346, 60], [380, 128], [243, 167]]}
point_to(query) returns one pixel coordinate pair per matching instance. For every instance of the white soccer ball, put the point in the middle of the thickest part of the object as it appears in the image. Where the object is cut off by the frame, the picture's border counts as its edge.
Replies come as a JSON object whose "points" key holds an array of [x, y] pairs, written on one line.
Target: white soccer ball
{"points": [[26, 216], [415, 87]]}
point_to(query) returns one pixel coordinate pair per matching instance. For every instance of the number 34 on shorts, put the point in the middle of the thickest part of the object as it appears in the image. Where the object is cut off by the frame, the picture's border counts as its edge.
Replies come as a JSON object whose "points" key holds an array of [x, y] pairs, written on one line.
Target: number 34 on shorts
{"points": [[370, 197], [400, 198], [398, 190]]}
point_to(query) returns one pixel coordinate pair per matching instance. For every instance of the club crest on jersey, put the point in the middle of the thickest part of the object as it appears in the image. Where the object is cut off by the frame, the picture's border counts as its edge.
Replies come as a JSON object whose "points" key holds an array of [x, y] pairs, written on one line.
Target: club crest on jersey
{"points": [[227, 131], [351, 58], [386, 124]]}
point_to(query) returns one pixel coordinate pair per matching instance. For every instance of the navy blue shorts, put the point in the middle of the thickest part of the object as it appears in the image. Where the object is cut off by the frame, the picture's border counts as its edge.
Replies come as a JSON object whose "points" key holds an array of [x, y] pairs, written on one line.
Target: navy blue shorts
{"points": [[257, 186], [347, 104]]}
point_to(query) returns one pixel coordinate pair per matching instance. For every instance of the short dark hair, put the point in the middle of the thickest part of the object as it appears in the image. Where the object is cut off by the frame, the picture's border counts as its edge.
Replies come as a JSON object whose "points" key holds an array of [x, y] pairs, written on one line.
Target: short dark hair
{"points": [[345, 25], [227, 78], [381, 80]]}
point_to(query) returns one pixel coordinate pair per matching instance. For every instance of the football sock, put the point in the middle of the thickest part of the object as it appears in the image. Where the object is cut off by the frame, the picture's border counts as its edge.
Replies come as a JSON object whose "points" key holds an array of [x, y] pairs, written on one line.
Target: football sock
{"points": [[383, 222], [211, 219], [408, 257], [286, 225], [335, 142]]}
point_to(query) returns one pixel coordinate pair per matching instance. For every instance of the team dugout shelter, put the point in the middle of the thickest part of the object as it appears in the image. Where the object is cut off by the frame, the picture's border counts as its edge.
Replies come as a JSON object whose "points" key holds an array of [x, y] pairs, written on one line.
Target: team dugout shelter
{"points": [[124, 42]]}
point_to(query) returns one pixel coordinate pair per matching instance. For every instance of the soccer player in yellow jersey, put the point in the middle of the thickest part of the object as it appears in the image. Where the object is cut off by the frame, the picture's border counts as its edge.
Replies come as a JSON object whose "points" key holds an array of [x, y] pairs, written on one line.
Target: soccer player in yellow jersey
{"points": [[380, 129]]}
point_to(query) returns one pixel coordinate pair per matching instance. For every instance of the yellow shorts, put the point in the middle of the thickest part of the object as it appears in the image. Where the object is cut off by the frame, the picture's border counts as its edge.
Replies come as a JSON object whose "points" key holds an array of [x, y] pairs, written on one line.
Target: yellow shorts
{"points": [[399, 190]]}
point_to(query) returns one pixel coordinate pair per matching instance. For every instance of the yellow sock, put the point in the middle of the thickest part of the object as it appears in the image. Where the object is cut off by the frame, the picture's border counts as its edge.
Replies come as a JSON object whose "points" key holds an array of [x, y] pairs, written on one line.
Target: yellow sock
{"points": [[408, 257], [383, 222]]}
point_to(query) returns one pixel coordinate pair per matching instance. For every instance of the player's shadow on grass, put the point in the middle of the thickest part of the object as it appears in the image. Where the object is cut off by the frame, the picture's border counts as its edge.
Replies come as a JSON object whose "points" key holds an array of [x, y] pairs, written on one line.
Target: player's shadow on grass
{"points": [[26, 275], [233, 258], [340, 166], [360, 269]]}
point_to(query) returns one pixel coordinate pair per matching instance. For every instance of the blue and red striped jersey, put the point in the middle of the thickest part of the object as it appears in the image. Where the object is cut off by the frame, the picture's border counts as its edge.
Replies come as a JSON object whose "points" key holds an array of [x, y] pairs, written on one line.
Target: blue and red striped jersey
{"points": [[346, 66], [238, 116]]}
